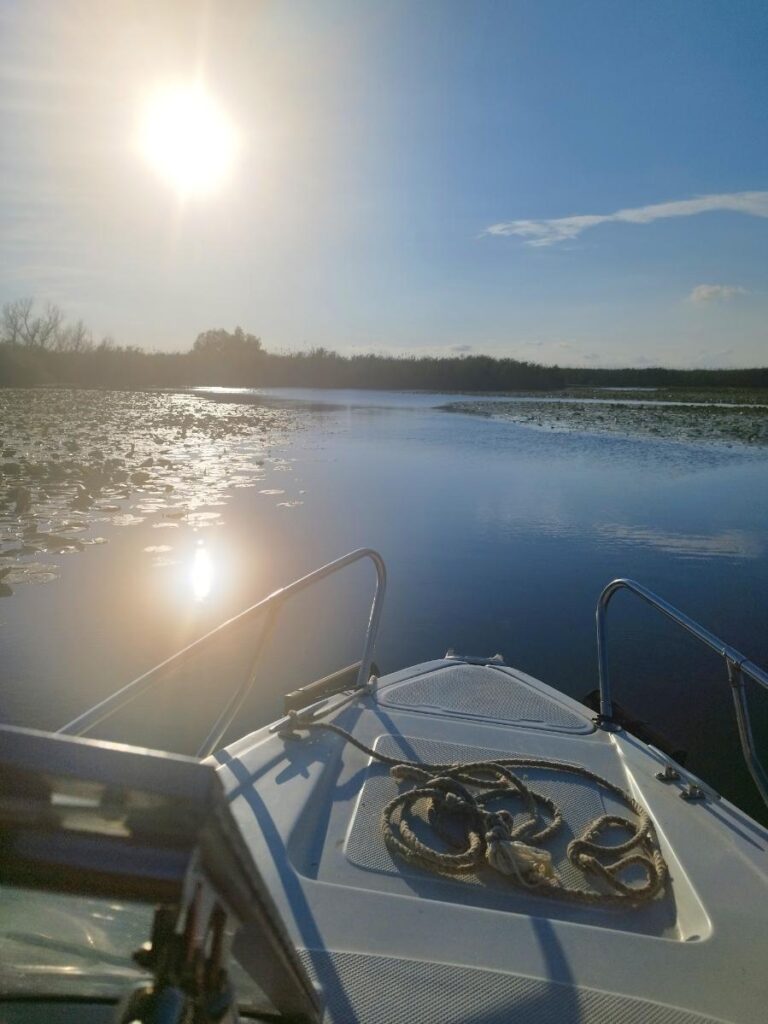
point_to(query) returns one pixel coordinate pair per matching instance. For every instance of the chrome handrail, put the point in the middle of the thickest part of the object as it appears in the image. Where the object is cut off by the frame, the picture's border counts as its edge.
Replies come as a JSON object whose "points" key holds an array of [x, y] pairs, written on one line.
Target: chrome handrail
{"points": [[96, 714], [738, 665]]}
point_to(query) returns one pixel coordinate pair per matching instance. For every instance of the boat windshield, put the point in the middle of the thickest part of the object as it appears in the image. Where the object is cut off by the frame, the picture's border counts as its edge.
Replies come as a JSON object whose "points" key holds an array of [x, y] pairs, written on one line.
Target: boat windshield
{"points": [[54, 947]]}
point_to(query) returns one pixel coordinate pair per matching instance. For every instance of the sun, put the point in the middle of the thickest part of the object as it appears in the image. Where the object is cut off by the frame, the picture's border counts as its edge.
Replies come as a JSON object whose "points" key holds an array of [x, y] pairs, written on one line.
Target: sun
{"points": [[188, 139]]}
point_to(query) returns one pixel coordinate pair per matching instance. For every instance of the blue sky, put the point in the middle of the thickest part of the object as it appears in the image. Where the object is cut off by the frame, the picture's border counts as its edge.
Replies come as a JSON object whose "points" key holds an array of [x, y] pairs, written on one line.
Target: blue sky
{"points": [[407, 177]]}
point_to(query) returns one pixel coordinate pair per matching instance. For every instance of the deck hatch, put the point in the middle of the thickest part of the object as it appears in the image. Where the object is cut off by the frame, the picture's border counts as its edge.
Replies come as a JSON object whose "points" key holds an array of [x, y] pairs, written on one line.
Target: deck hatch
{"points": [[480, 691]]}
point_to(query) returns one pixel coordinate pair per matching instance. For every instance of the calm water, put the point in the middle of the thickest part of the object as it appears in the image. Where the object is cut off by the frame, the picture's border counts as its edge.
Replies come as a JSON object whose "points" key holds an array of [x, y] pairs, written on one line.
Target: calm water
{"points": [[497, 537]]}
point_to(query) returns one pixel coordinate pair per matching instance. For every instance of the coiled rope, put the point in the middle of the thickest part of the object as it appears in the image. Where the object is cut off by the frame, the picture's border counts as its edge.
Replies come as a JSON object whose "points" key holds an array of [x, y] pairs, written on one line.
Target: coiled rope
{"points": [[458, 799]]}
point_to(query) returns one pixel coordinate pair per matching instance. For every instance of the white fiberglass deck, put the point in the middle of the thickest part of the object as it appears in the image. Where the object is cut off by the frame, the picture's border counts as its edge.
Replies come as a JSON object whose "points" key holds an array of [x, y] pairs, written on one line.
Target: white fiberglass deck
{"points": [[391, 942]]}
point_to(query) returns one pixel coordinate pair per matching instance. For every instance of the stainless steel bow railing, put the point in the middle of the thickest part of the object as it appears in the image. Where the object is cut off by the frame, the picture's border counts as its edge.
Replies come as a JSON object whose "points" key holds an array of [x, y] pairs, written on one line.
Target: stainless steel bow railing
{"points": [[271, 605], [737, 664]]}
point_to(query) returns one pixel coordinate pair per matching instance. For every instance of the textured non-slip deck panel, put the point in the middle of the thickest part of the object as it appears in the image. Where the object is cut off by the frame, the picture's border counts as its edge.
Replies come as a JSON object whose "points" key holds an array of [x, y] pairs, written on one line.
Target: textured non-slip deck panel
{"points": [[480, 691], [387, 990], [580, 801]]}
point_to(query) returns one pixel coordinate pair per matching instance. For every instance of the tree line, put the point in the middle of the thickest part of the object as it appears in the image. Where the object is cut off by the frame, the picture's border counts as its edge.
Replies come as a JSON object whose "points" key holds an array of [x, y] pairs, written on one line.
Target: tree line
{"points": [[39, 347]]}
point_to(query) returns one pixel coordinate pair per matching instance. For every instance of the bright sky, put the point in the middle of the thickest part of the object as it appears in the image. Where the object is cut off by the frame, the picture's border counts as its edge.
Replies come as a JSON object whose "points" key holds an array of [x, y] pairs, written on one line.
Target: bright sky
{"points": [[570, 181]]}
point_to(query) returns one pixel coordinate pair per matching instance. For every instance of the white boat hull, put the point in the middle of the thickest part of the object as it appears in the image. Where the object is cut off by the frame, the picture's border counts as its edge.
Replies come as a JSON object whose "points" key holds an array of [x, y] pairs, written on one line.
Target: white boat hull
{"points": [[389, 941]]}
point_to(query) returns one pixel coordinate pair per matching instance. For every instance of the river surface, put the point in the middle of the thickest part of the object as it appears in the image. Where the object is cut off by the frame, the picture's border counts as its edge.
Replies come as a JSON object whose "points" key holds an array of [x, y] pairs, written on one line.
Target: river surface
{"points": [[497, 537]]}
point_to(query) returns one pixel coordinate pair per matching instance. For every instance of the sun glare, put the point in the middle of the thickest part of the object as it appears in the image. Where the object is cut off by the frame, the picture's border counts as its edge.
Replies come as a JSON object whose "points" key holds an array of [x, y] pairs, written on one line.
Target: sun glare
{"points": [[188, 140], [201, 574]]}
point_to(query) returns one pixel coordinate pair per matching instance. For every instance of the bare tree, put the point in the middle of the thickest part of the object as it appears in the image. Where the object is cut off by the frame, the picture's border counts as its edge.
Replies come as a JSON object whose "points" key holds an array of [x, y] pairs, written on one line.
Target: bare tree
{"points": [[21, 327], [15, 316], [74, 338], [48, 326]]}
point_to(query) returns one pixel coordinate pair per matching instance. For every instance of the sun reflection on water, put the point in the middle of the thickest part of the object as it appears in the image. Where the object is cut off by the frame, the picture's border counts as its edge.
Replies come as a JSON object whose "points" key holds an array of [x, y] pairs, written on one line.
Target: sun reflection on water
{"points": [[201, 573]]}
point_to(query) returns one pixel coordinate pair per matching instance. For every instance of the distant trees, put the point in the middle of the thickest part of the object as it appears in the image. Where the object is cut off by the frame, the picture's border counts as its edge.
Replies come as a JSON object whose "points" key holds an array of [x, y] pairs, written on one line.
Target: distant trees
{"points": [[38, 346], [234, 359], [221, 343]]}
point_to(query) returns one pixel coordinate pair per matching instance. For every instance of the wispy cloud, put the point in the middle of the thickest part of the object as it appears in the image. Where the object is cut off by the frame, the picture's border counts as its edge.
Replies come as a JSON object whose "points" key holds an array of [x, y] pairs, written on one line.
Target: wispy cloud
{"points": [[563, 229], [716, 292]]}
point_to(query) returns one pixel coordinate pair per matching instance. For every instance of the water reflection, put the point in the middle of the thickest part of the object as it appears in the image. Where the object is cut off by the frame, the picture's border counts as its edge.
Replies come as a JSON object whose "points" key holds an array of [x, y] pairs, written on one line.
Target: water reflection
{"points": [[725, 544], [73, 461]]}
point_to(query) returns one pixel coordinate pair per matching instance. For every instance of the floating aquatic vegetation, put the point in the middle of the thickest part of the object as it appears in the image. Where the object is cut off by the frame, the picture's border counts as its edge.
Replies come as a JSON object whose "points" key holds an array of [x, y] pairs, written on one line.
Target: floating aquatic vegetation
{"points": [[29, 572], [684, 419], [127, 519], [71, 458], [202, 520]]}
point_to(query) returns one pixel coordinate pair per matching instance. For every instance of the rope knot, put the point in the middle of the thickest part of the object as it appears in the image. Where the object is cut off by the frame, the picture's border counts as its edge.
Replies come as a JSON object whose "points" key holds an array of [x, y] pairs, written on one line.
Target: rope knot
{"points": [[531, 866], [500, 822], [496, 834]]}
